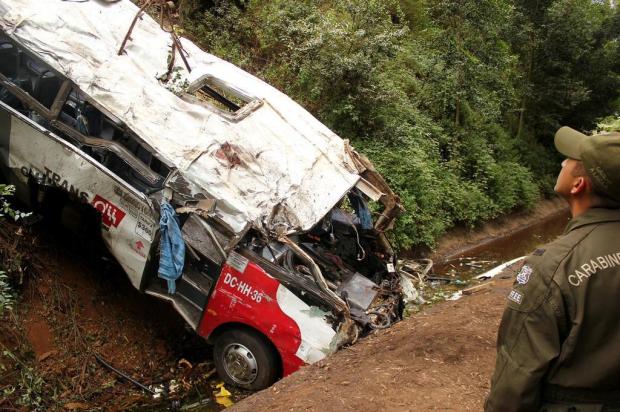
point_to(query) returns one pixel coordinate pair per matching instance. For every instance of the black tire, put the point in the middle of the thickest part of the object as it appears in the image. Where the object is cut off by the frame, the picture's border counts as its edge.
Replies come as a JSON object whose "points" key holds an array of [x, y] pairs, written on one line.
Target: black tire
{"points": [[245, 359]]}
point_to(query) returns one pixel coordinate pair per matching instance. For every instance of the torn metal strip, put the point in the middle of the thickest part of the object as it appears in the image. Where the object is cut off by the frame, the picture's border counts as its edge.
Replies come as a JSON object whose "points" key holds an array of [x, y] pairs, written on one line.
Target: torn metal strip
{"points": [[340, 304]]}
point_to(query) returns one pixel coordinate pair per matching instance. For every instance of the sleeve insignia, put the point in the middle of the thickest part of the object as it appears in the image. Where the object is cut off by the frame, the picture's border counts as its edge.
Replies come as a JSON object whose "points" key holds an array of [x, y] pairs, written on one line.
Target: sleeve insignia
{"points": [[515, 296], [524, 275]]}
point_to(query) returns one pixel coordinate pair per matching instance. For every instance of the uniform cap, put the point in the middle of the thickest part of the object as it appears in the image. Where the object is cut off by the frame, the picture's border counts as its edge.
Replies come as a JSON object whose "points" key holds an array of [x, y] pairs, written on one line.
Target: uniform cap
{"points": [[600, 155]]}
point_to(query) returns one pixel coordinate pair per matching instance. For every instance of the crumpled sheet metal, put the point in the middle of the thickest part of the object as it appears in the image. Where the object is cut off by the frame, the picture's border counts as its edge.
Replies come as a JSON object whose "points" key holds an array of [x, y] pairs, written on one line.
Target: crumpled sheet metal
{"points": [[277, 166]]}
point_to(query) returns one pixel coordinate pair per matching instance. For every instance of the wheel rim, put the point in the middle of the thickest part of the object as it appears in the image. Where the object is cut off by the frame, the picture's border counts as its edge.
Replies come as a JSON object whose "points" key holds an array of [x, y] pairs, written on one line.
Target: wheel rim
{"points": [[240, 364]]}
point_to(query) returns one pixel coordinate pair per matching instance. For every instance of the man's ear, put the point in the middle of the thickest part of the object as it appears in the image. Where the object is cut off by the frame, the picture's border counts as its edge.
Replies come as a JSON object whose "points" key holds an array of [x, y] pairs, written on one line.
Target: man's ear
{"points": [[580, 184]]}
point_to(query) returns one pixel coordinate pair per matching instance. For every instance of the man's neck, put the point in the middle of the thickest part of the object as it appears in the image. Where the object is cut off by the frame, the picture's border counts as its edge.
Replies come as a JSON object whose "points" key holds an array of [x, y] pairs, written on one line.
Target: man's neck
{"points": [[579, 205]]}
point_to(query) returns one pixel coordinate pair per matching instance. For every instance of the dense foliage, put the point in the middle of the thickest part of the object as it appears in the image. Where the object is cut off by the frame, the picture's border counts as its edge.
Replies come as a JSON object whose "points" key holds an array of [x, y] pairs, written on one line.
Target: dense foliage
{"points": [[455, 101], [6, 210]]}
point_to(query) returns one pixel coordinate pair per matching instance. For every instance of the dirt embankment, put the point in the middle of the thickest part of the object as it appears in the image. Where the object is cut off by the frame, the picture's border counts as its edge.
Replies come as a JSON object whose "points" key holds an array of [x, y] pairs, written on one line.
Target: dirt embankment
{"points": [[440, 359], [462, 240], [72, 306]]}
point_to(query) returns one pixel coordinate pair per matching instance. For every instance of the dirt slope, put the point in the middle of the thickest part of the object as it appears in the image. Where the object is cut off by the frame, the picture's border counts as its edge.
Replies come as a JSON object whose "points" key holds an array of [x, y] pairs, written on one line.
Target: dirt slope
{"points": [[72, 306], [463, 240], [440, 359]]}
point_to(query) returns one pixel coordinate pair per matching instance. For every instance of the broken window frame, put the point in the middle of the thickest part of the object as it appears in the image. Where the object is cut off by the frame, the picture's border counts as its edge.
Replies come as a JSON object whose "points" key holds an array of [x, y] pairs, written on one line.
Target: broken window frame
{"points": [[33, 67], [52, 114], [152, 177], [207, 83]]}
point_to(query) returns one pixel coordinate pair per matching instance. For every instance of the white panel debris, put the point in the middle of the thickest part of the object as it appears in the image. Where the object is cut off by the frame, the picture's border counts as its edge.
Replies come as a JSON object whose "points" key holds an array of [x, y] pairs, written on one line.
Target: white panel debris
{"points": [[317, 337], [498, 269]]}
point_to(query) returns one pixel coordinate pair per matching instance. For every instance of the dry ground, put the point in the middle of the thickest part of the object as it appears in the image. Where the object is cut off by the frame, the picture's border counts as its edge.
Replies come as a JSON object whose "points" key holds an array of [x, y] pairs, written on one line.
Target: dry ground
{"points": [[439, 359]]}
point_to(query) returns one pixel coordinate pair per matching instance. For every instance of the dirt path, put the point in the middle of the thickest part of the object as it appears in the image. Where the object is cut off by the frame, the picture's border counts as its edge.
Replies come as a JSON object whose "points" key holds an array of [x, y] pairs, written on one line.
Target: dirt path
{"points": [[439, 359]]}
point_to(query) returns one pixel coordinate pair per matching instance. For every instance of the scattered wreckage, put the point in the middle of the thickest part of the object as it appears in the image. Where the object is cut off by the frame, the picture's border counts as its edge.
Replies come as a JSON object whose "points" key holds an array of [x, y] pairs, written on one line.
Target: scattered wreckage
{"points": [[214, 191]]}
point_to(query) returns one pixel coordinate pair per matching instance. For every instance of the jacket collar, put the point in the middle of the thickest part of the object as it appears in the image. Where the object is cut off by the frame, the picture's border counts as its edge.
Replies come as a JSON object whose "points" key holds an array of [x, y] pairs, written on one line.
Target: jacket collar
{"points": [[593, 216]]}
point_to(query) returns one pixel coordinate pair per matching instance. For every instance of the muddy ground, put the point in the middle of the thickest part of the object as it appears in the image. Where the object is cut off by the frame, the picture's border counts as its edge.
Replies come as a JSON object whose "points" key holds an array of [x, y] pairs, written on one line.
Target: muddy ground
{"points": [[74, 304]]}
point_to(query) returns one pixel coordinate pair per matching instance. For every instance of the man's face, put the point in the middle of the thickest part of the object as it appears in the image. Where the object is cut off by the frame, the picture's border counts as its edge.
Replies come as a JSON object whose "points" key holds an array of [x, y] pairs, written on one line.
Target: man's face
{"points": [[566, 178]]}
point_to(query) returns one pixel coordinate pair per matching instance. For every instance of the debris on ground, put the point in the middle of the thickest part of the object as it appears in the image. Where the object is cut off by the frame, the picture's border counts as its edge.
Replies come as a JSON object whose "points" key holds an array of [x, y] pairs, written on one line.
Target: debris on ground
{"points": [[223, 396], [498, 269]]}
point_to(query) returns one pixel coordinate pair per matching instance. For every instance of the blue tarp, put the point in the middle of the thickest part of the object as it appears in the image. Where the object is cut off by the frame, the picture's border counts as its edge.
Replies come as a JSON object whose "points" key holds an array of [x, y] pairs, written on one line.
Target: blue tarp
{"points": [[172, 247], [361, 208]]}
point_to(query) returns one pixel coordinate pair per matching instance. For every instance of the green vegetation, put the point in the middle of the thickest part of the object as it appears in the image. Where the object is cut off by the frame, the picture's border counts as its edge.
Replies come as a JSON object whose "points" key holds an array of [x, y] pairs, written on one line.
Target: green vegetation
{"points": [[610, 124], [7, 296], [6, 293], [6, 209], [29, 388], [455, 101]]}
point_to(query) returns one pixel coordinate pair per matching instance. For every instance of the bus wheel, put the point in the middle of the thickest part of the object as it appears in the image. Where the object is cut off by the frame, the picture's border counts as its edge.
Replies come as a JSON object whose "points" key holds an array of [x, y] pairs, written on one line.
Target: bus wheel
{"points": [[243, 358]]}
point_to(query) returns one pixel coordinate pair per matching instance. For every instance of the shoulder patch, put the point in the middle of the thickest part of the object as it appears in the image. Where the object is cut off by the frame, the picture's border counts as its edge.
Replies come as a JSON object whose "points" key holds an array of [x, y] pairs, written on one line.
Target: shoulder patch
{"points": [[538, 252], [515, 296], [524, 274], [530, 286]]}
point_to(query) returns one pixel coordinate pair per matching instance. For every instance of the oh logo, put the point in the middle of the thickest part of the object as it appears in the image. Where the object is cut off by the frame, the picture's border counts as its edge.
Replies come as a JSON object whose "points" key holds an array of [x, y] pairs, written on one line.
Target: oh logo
{"points": [[111, 216]]}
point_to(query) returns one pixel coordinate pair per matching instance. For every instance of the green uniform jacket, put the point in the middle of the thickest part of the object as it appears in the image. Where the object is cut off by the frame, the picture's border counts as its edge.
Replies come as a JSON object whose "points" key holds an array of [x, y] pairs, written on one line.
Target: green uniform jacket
{"points": [[562, 323]]}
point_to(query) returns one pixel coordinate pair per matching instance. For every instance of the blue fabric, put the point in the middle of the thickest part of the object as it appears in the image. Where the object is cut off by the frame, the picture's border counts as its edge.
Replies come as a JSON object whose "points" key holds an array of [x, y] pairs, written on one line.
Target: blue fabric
{"points": [[172, 247], [82, 124], [361, 208]]}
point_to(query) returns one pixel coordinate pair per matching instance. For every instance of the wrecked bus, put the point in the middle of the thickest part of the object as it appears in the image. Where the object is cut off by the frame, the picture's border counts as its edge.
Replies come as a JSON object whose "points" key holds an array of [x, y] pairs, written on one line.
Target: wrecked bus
{"points": [[261, 211]]}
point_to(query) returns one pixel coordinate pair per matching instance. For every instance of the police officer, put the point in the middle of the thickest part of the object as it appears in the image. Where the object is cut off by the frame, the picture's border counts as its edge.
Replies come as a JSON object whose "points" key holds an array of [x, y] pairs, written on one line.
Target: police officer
{"points": [[558, 345]]}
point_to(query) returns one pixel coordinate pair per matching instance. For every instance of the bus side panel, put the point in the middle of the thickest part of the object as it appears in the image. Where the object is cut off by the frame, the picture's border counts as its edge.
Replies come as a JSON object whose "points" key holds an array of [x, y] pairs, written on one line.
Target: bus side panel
{"points": [[128, 224], [250, 297]]}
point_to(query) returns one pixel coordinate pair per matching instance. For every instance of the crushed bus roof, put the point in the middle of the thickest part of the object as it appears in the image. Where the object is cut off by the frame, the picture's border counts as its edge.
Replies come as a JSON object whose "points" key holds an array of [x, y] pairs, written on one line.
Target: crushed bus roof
{"points": [[266, 161]]}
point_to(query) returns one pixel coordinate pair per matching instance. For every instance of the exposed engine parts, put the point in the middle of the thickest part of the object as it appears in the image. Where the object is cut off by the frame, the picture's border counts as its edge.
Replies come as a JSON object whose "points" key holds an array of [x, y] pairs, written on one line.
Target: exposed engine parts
{"points": [[339, 266]]}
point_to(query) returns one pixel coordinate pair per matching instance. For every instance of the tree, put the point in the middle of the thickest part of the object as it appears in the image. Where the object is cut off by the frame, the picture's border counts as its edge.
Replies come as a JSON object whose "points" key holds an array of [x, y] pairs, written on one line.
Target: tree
{"points": [[453, 100], [575, 66]]}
